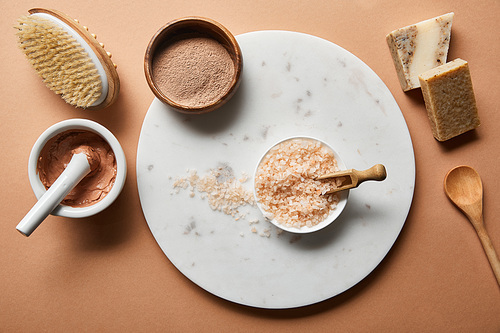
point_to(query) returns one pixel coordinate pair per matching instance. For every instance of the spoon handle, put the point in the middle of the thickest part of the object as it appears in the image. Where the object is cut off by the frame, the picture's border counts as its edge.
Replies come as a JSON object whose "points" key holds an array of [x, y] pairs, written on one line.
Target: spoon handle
{"points": [[356, 177], [376, 172], [489, 250]]}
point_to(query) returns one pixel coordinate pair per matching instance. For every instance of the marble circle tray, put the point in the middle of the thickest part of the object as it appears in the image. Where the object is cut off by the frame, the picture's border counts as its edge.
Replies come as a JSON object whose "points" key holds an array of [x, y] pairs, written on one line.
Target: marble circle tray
{"points": [[292, 84]]}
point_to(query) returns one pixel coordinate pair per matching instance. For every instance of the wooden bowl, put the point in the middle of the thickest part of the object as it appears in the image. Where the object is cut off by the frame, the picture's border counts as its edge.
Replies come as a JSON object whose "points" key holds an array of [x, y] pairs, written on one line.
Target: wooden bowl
{"points": [[189, 27]]}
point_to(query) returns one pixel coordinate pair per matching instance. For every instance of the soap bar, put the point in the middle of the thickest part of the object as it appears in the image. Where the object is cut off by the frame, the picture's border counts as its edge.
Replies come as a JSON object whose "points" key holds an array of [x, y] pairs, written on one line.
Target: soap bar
{"points": [[449, 99], [419, 47]]}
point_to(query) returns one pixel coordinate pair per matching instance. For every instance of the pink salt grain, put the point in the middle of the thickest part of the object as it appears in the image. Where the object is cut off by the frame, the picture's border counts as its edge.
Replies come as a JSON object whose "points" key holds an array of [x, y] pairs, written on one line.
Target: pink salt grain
{"points": [[286, 186]]}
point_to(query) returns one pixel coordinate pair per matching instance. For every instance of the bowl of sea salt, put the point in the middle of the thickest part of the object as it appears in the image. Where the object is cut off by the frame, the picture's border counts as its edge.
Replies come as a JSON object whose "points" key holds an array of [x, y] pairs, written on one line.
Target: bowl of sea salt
{"points": [[286, 188]]}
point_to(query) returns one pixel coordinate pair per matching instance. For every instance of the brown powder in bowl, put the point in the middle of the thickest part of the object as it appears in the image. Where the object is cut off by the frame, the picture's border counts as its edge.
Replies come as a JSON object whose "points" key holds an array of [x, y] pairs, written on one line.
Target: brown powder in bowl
{"points": [[193, 72]]}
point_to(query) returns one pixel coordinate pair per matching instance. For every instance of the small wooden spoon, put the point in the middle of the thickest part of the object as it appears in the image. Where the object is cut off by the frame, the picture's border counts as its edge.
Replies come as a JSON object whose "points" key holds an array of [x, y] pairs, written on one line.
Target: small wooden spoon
{"points": [[464, 188], [354, 177]]}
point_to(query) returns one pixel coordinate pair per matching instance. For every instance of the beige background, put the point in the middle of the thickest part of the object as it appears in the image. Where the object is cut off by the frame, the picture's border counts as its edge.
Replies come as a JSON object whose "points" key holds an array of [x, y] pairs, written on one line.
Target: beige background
{"points": [[106, 273]]}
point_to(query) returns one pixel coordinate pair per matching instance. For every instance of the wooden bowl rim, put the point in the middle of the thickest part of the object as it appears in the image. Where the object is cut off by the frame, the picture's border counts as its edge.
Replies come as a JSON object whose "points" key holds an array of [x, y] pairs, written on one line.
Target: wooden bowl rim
{"points": [[234, 51]]}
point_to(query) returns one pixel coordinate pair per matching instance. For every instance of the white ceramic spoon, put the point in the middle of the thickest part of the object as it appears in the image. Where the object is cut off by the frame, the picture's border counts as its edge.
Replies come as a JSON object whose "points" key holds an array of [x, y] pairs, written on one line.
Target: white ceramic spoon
{"points": [[75, 171]]}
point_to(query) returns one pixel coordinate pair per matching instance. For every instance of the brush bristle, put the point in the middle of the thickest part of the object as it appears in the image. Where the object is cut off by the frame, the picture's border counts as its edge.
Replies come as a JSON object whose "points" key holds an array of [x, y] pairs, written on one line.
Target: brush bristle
{"points": [[59, 60]]}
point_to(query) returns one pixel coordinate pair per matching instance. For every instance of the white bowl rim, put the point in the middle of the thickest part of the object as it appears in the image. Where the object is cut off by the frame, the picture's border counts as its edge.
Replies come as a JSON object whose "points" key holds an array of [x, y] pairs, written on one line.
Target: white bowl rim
{"points": [[79, 124], [344, 195]]}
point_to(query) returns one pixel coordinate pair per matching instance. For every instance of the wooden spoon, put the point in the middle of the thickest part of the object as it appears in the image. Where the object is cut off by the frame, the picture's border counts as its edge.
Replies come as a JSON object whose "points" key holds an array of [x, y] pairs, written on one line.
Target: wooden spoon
{"points": [[464, 188], [352, 178]]}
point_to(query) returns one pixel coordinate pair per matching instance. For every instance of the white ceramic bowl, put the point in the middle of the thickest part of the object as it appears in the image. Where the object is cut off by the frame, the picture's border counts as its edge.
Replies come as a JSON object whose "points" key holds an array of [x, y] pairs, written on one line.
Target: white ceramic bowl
{"points": [[79, 124], [334, 214]]}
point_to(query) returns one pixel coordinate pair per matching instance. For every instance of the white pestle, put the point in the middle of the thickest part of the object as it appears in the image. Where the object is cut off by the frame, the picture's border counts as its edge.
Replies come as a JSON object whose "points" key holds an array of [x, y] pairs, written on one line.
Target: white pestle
{"points": [[74, 172]]}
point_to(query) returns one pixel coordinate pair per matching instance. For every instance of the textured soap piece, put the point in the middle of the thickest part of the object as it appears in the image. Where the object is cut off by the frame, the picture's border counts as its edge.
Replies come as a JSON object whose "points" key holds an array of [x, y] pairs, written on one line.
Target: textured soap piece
{"points": [[419, 47], [449, 99]]}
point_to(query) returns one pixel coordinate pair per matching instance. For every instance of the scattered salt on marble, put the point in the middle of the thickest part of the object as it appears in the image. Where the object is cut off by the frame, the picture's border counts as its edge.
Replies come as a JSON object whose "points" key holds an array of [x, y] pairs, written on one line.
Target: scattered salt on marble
{"points": [[244, 177], [266, 233], [223, 192]]}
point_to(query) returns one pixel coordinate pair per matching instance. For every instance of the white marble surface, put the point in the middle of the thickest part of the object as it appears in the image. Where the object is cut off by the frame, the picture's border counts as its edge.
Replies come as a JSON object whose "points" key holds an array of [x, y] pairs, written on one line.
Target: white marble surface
{"points": [[292, 84]]}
